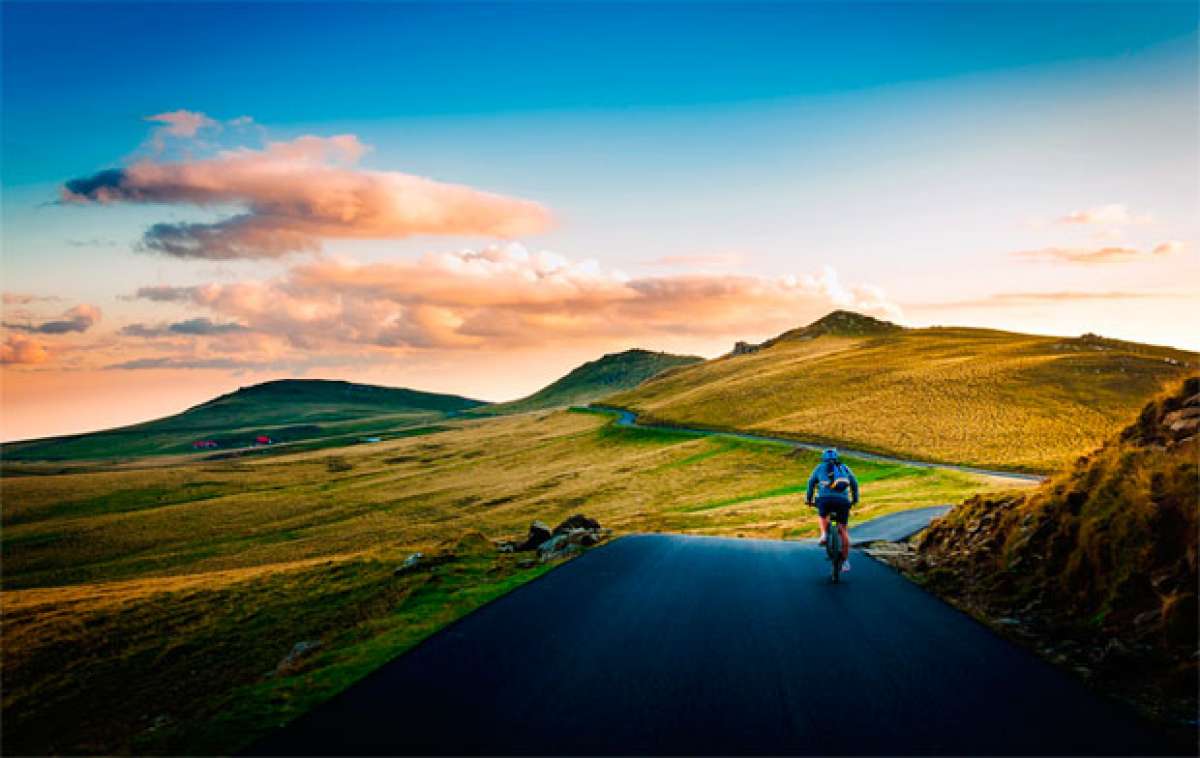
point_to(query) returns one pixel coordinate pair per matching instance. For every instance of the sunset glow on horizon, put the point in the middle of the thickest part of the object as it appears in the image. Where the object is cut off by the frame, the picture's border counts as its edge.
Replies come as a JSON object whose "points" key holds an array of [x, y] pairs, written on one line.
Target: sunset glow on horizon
{"points": [[474, 199]]}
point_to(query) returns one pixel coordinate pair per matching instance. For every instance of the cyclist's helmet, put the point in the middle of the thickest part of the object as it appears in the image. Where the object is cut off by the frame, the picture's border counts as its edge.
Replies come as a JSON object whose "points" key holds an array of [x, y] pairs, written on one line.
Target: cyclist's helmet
{"points": [[830, 455]]}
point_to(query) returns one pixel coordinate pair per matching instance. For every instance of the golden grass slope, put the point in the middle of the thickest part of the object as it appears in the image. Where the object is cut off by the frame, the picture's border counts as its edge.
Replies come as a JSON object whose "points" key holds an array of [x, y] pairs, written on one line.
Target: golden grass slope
{"points": [[144, 608], [959, 395]]}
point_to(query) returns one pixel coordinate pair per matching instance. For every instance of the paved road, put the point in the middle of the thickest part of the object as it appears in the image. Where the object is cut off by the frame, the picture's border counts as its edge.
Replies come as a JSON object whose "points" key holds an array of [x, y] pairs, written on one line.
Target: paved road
{"points": [[895, 526], [660, 644], [629, 418]]}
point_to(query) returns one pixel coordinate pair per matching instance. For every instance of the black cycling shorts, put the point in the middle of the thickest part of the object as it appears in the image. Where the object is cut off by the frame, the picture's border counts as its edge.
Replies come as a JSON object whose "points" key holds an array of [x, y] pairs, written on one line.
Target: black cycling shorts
{"points": [[836, 508]]}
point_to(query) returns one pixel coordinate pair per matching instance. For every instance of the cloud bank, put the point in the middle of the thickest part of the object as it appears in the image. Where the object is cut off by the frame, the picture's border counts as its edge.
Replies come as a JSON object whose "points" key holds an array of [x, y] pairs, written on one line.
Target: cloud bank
{"points": [[294, 195], [78, 319], [164, 294], [508, 297], [1094, 256], [198, 327]]}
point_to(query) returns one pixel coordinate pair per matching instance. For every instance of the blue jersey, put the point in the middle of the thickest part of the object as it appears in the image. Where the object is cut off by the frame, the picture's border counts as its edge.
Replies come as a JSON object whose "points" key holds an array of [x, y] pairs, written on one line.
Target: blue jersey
{"points": [[822, 479]]}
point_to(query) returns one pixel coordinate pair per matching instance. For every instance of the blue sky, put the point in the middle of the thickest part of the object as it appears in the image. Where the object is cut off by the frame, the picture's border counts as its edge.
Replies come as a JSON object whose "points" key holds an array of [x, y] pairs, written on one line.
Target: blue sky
{"points": [[94, 69], [1011, 165]]}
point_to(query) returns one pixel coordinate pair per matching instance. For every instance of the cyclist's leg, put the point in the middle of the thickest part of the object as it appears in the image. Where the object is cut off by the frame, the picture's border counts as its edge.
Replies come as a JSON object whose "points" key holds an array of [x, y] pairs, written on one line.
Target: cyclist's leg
{"points": [[843, 529], [823, 522]]}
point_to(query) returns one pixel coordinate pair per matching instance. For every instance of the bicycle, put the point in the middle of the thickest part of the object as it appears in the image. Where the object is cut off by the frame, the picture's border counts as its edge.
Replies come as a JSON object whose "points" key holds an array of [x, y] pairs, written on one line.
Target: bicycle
{"points": [[833, 549]]}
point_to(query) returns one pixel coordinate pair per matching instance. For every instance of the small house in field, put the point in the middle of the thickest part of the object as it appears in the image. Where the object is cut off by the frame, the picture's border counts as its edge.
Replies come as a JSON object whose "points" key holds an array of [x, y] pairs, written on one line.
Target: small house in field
{"points": [[262, 439], [204, 444]]}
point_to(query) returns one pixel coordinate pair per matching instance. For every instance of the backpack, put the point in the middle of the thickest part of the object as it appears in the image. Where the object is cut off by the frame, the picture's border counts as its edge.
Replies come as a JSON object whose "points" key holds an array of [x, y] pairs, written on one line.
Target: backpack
{"points": [[833, 480]]}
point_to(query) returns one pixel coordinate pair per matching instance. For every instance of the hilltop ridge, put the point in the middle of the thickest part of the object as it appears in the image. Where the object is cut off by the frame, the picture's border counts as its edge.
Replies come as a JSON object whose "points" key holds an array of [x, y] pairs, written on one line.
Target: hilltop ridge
{"points": [[979, 397], [595, 379], [840, 323]]}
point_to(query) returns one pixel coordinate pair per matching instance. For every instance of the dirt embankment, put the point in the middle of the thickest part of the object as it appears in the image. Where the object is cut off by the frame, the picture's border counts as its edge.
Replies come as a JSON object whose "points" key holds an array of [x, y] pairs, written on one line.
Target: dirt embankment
{"points": [[1096, 569]]}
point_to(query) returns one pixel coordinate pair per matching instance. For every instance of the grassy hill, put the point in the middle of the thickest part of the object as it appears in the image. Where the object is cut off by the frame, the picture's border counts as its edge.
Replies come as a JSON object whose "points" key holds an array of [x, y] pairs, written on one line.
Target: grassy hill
{"points": [[975, 396], [596, 379], [287, 411], [1098, 566], [145, 610]]}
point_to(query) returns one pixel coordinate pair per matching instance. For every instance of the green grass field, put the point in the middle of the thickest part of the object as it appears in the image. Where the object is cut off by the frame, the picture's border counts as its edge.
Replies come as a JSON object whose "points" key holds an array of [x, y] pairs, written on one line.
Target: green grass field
{"points": [[973, 396], [146, 605]]}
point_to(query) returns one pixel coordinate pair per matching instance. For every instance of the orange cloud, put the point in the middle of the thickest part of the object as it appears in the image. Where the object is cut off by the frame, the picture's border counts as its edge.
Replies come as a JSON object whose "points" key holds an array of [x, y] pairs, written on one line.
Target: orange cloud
{"points": [[506, 296], [297, 194], [1170, 247], [18, 348], [1112, 254]]}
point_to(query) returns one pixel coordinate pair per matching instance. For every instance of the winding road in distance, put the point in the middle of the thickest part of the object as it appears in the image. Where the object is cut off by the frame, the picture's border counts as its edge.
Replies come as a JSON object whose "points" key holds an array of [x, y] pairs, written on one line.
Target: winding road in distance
{"points": [[669, 645], [628, 418]]}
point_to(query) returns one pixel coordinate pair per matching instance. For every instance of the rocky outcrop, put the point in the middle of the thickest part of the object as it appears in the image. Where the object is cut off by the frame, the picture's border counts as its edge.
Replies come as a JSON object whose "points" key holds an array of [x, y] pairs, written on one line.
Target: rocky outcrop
{"points": [[411, 564], [558, 546], [538, 533], [743, 348], [578, 521], [569, 537], [418, 562], [1170, 421], [295, 659]]}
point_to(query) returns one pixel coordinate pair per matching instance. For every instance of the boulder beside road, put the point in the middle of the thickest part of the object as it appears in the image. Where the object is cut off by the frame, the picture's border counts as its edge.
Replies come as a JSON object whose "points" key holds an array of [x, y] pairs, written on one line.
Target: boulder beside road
{"points": [[569, 537], [538, 534]]}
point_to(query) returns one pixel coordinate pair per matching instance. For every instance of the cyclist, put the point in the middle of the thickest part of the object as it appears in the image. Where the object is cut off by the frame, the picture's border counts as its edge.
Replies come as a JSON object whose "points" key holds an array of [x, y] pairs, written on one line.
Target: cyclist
{"points": [[836, 490]]}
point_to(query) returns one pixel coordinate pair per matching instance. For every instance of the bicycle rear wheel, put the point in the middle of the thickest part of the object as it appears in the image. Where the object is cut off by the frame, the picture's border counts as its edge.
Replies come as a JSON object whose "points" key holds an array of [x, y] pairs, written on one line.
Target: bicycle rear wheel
{"points": [[834, 547]]}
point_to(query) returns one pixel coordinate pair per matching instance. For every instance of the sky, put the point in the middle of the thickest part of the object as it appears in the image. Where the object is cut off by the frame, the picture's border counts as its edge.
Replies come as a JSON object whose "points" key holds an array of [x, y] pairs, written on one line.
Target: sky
{"points": [[476, 198]]}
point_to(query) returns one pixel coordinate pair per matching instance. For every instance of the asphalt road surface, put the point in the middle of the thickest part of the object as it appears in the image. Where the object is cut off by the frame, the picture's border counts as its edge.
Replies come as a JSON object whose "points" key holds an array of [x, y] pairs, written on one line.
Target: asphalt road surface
{"points": [[895, 526], [665, 644]]}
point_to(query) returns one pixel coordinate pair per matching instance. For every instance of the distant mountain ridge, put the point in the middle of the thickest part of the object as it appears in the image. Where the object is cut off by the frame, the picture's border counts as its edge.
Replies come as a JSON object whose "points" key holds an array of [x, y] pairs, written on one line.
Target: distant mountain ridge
{"points": [[596, 379], [958, 395], [970, 396], [341, 392], [310, 410], [287, 410]]}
